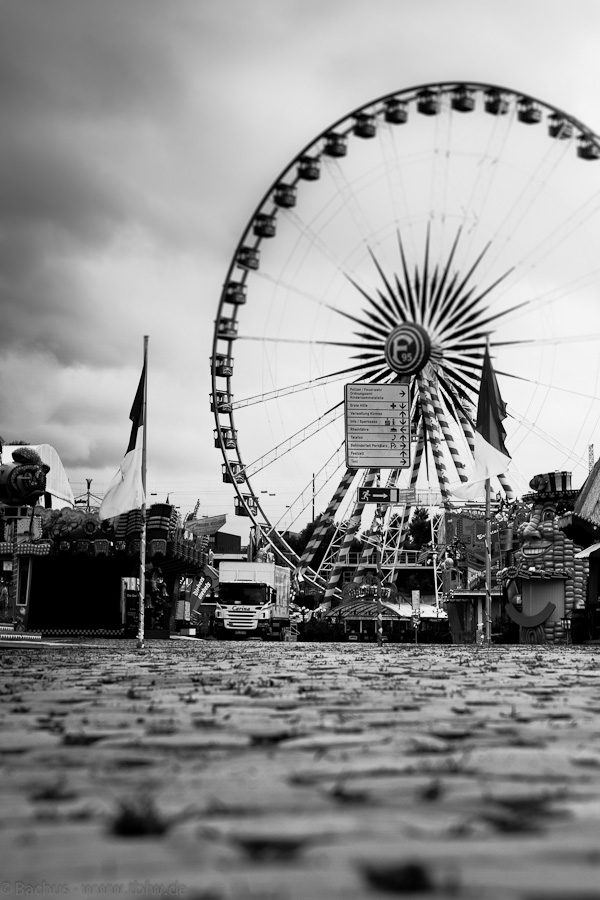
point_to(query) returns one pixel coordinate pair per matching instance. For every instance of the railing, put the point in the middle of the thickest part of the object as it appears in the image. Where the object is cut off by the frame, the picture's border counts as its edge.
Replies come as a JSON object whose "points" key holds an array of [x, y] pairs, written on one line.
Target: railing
{"points": [[399, 559]]}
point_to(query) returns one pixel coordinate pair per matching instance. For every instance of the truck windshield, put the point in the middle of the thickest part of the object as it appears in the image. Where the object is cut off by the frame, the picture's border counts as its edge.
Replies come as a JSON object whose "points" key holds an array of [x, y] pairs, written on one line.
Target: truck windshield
{"points": [[246, 594]]}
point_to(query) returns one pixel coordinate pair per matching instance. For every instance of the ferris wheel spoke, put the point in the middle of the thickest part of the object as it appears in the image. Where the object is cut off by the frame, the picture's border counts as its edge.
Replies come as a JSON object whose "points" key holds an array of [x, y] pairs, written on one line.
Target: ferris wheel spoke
{"points": [[435, 208], [560, 293], [405, 289], [290, 287], [308, 491], [487, 173], [393, 300], [464, 367], [444, 171], [397, 189], [459, 375], [553, 240], [439, 294], [463, 311], [549, 342], [551, 387], [386, 317], [524, 202], [350, 201], [383, 316], [294, 440], [314, 239], [288, 390], [475, 325], [460, 302], [321, 380], [316, 342], [549, 439]]}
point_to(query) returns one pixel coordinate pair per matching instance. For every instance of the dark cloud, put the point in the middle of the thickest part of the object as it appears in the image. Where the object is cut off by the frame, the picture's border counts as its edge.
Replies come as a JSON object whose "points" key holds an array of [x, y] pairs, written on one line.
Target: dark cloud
{"points": [[87, 91], [83, 59], [55, 193]]}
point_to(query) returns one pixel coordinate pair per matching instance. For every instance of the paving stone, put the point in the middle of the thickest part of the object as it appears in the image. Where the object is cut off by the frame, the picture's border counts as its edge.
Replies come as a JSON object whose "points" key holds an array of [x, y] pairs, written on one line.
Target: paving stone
{"points": [[255, 771]]}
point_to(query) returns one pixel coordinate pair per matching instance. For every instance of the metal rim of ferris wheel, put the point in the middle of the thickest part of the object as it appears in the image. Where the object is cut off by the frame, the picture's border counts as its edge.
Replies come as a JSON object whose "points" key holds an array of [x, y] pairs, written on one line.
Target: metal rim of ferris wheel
{"points": [[466, 209]]}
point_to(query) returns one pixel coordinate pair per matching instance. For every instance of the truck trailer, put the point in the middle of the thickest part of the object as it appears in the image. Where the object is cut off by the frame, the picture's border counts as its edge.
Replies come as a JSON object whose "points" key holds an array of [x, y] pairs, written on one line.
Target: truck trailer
{"points": [[253, 601]]}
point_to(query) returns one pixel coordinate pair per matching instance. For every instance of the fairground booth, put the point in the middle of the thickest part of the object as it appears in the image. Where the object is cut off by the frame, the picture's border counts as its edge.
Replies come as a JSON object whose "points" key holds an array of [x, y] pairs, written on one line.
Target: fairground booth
{"points": [[68, 573], [76, 575]]}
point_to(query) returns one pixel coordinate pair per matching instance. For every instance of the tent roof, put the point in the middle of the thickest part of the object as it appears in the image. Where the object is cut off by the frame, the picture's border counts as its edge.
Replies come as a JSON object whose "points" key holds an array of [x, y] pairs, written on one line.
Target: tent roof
{"points": [[587, 506]]}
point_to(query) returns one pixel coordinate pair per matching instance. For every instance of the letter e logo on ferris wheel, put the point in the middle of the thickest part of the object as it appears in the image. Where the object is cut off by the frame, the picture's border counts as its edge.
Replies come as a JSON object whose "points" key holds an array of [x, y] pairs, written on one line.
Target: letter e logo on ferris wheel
{"points": [[407, 349]]}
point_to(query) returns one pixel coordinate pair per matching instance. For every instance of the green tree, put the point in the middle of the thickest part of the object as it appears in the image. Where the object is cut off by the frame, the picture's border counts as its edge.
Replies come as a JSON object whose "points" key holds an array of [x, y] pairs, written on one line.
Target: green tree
{"points": [[418, 537], [419, 529]]}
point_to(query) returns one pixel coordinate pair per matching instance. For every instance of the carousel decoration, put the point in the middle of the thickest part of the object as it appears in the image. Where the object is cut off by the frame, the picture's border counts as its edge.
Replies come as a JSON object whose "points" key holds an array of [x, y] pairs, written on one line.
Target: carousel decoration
{"points": [[23, 481], [546, 575]]}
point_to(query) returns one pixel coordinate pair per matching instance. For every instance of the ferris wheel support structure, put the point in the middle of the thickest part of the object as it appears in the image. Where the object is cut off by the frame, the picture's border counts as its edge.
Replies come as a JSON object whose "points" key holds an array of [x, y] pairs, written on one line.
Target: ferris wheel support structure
{"points": [[444, 207]]}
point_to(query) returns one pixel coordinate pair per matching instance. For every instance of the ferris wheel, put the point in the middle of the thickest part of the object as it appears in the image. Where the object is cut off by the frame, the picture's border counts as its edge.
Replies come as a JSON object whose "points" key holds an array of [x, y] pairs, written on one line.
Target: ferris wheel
{"points": [[465, 213]]}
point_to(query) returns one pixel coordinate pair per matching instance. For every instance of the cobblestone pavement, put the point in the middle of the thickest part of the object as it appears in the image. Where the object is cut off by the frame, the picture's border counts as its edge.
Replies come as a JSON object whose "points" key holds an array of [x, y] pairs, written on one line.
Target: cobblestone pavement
{"points": [[249, 771]]}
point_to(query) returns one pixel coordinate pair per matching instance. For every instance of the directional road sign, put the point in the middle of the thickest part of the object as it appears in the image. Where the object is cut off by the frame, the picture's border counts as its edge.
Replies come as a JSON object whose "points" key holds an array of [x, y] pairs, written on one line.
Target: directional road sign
{"points": [[384, 495], [377, 426]]}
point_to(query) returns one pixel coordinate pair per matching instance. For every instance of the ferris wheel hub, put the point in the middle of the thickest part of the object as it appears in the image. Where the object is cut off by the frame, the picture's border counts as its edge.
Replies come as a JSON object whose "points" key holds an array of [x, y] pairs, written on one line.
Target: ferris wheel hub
{"points": [[407, 348]]}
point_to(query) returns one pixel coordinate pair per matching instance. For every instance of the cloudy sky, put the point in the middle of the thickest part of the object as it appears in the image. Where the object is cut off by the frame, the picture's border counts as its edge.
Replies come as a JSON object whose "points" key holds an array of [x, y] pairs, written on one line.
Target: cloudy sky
{"points": [[137, 137]]}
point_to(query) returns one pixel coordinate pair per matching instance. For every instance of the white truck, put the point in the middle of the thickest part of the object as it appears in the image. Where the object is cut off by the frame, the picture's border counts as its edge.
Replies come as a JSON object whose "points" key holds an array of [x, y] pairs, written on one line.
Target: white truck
{"points": [[253, 601]]}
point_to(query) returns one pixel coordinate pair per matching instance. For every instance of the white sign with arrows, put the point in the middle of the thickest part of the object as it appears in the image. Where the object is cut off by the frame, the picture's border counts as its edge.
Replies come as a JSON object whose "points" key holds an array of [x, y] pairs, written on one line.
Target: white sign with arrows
{"points": [[377, 426]]}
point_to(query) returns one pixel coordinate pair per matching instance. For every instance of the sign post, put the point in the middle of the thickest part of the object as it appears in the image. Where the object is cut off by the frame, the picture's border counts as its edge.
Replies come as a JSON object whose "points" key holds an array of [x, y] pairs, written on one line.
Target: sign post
{"points": [[377, 425]]}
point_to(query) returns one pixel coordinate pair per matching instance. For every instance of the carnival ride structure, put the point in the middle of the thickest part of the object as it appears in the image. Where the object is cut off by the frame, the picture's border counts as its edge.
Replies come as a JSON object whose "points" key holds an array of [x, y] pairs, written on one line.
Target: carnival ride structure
{"points": [[462, 215]]}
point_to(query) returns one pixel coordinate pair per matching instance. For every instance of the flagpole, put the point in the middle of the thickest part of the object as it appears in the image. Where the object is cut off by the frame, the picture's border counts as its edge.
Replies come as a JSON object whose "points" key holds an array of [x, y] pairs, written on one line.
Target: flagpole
{"points": [[488, 562], [487, 630], [142, 591]]}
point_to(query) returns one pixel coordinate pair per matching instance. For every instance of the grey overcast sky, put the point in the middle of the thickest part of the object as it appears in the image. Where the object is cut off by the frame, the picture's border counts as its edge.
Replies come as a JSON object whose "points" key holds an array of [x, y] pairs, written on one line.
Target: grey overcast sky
{"points": [[136, 138]]}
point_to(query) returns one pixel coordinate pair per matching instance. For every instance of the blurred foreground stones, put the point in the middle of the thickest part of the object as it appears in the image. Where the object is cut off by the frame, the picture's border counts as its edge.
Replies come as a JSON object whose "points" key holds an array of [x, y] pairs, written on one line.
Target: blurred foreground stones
{"points": [[251, 771]]}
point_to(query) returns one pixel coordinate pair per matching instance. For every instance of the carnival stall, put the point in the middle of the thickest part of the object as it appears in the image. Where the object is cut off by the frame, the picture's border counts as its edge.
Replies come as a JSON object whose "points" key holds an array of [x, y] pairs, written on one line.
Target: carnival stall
{"points": [[75, 573]]}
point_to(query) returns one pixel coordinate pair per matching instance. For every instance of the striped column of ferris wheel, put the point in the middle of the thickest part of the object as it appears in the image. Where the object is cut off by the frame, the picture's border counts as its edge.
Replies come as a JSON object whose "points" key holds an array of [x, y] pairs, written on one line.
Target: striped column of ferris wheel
{"points": [[441, 416], [353, 525], [367, 551], [433, 435], [414, 475], [325, 522], [469, 433]]}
